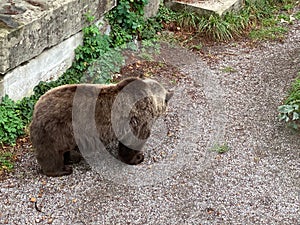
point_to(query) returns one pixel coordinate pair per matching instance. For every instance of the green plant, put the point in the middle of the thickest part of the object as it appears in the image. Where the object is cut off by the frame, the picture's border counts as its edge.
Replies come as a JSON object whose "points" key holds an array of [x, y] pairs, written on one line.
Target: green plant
{"points": [[297, 15], [289, 113], [165, 15], [150, 29], [127, 20], [11, 124], [94, 45], [188, 20], [197, 47], [6, 161], [216, 27], [290, 110], [270, 22], [150, 46], [294, 94], [103, 69], [146, 56], [284, 17], [220, 148], [268, 33], [25, 107], [288, 6], [228, 69]]}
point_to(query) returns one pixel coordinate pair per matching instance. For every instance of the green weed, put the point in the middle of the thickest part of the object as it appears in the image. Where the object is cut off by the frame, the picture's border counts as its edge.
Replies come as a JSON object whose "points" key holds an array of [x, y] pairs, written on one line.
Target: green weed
{"points": [[269, 33], [127, 21], [220, 148], [188, 20], [297, 15], [165, 15], [228, 69], [101, 71], [6, 161], [11, 124], [289, 112], [217, 28]]}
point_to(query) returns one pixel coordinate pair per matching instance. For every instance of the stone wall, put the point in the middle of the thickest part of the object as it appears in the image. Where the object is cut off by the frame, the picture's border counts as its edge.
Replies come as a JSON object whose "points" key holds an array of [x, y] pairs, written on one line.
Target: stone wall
{"points": [[38, 38], [152, 7]]}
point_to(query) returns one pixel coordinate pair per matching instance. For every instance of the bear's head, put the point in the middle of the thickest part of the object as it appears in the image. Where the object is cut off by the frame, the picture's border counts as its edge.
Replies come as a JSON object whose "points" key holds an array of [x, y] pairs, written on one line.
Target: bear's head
{"points": [[135, 110]]}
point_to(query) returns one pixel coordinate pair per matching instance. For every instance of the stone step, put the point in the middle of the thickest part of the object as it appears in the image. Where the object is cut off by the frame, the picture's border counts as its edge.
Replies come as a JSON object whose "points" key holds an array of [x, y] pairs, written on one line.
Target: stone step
{"points": [[205, 7]]}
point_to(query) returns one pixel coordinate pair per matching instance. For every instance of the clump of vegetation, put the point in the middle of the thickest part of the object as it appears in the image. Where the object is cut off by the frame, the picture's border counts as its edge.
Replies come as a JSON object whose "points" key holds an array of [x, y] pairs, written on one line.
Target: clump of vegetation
{"points": [[264, 19], [102, 70], [228, 69], [290, 110], [6, 161], [11, 124], [127, 21], [213, 26], [220, 148]]}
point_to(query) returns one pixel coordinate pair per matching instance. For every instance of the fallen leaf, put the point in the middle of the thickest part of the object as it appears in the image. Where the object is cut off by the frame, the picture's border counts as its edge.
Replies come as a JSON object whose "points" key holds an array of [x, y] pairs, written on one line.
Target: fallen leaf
{"points": [[32, 199]]}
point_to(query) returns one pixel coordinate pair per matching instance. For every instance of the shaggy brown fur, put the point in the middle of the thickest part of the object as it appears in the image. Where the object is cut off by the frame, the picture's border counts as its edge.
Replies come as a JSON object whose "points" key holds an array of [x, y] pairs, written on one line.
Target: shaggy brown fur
{"points": [[55, 137]]}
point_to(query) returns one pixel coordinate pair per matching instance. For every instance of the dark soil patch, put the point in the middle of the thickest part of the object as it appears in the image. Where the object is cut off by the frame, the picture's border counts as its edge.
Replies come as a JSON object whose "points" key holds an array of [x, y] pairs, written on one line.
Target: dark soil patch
{"points": [[166, 74]]}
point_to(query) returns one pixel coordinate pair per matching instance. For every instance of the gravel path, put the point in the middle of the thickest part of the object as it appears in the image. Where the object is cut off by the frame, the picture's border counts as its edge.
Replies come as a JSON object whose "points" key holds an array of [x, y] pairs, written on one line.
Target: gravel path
{"points": [[230, 95]]}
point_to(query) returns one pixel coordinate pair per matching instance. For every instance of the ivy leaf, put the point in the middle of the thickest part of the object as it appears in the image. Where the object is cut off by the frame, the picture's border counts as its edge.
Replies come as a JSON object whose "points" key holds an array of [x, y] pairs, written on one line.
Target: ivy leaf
{"points": [[295, 116]]}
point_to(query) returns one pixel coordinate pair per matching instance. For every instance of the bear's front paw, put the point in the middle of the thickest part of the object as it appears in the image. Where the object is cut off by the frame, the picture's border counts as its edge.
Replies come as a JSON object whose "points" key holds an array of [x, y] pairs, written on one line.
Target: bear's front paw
{"points": [[130, 156]]}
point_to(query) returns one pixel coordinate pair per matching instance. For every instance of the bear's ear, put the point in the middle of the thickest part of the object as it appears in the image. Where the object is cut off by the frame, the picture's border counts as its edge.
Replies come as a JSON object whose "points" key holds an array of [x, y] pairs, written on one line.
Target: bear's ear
{"points": [[126, 81], [169, 95]]}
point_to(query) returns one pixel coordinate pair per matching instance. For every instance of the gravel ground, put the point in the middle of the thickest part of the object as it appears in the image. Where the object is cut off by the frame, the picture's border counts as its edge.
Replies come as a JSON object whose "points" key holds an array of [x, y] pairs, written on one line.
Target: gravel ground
{"points": [[229, 95]]}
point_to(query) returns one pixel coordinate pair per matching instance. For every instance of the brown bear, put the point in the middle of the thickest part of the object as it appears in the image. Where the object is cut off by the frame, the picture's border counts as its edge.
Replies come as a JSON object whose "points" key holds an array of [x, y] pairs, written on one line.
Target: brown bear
{"points": [[68, 115]]}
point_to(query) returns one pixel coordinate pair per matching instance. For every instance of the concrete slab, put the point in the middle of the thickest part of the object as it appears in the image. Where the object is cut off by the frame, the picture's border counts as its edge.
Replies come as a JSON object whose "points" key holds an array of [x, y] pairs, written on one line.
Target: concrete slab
{"points": [[27, 27], [206, 7]]}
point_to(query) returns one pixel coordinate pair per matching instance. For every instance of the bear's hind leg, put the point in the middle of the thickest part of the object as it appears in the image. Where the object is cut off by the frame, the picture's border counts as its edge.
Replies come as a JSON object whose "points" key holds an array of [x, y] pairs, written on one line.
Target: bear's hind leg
{"points": [[52, 163]]}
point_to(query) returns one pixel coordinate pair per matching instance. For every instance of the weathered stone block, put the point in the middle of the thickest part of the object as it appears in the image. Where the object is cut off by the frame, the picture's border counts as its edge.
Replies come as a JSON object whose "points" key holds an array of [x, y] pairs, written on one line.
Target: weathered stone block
{"points": [[27, 27], [151, 8], [49, 65], [206, 7]]}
